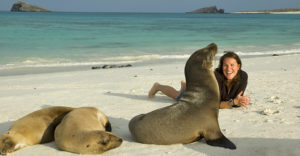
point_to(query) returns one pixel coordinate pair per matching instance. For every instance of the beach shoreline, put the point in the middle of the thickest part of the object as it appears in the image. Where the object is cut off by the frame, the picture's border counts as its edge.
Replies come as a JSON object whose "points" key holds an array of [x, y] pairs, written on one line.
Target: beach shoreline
{"points": [[70, 68], [64, 41], [268, 126]]}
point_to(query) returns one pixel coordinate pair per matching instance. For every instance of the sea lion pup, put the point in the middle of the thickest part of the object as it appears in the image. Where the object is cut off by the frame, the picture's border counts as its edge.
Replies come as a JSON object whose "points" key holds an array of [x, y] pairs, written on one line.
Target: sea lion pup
{"points": [[85, 130], [34, 128], [194, 116]]}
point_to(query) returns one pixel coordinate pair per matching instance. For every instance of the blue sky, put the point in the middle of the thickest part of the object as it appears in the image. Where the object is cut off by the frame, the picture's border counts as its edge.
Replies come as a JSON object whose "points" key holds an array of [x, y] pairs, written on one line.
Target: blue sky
{"points": [[153, 5]]}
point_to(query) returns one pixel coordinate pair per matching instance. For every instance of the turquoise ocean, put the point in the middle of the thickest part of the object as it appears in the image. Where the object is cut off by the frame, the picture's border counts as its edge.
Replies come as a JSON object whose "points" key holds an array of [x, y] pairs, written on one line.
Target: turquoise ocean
{"points": [[76, 41]]}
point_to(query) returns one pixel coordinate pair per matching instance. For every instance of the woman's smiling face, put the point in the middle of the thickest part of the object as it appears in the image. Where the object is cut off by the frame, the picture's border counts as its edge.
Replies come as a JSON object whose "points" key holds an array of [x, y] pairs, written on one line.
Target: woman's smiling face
{"points": [[230, 68]]}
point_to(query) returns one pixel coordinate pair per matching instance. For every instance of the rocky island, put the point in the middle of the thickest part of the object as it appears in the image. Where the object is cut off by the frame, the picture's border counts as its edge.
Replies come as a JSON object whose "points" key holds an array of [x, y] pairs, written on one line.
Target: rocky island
{"points": [[24, 7], [211, 10]]}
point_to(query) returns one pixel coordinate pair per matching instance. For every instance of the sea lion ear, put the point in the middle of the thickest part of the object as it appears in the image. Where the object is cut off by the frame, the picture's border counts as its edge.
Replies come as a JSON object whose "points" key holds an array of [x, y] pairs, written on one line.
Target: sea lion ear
{"points": [[222, 142]]}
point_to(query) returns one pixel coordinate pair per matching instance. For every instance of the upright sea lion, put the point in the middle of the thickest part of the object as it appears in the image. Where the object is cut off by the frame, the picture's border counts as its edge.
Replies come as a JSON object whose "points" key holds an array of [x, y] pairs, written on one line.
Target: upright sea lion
{"points": [[194, 116], [34, 128], [85, 131]]}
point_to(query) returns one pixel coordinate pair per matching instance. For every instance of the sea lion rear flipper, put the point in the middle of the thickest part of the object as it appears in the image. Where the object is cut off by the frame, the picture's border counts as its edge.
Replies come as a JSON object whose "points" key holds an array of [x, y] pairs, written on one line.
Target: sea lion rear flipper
{"points": [[222, 142]]}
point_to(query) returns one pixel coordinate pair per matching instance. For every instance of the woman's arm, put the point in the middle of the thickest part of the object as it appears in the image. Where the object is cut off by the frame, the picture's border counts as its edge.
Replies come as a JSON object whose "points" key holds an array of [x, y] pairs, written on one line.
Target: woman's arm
{"points": [[238, 101], [225, 105], [241, 100]]}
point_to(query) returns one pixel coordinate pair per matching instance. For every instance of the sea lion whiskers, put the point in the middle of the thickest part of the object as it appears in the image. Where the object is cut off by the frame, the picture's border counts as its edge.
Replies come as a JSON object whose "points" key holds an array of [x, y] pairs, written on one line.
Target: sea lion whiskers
{"points": [[20, 145]]}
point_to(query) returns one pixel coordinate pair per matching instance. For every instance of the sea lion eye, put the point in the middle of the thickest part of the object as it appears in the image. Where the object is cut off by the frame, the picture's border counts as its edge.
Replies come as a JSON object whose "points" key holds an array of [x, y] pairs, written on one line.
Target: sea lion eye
{"points": [[103, 143], [5, 140]]}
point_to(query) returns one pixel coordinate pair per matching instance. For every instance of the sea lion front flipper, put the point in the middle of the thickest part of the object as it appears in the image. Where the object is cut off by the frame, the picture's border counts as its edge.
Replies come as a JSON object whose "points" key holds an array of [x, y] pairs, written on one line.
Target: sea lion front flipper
{"points": [[222, 142], [107, 127]]}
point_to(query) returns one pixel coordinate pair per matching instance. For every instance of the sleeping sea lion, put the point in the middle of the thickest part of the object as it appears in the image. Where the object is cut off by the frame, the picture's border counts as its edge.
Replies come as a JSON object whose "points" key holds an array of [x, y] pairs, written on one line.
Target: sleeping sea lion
{"points": [[34, 128], [85, 130]]}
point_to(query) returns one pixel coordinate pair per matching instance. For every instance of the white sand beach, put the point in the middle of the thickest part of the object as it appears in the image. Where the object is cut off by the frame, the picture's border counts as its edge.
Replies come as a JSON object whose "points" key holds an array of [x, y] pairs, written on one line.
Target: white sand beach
{"points": [[270, 125]]}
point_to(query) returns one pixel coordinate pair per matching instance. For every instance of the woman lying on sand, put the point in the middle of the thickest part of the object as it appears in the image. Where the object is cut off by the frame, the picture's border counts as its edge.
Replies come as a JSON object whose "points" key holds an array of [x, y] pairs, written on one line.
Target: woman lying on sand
{"points": [[231, 78]]}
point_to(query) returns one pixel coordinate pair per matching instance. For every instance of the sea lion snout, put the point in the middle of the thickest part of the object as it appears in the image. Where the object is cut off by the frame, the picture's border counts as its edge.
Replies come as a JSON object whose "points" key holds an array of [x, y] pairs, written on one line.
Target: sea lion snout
{"points": [[210, 52], [202, 58], [6, 145], [212, 47], [114, 141]]}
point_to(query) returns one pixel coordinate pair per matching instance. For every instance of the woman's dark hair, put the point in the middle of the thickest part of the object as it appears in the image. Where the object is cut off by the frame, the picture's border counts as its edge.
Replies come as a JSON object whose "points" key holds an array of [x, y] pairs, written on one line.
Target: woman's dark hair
{"points": [[233, 55]]}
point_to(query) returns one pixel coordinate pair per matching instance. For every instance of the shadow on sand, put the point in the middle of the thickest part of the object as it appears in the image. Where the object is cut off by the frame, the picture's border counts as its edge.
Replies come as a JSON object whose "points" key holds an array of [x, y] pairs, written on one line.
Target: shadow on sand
{"points": [[298, 107], [251, 147], [120, 128], [245, 146], [161, 99], [5, 126]]}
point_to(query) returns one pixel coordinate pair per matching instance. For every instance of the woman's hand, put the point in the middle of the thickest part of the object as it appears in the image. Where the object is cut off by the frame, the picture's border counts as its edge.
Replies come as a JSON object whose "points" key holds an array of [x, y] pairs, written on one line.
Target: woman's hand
{"points": [[242, 100]]}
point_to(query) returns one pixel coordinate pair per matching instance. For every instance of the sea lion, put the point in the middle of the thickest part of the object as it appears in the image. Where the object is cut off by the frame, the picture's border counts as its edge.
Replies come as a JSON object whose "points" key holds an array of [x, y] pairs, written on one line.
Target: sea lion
{"points": [[194, 116], [34, 128], [85, 130]]}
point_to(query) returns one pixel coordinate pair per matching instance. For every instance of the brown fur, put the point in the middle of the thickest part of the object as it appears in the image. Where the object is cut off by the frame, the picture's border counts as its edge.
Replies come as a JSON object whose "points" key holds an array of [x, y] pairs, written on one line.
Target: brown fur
{"points": [[34, 128], [194, 116], [82, 131]]}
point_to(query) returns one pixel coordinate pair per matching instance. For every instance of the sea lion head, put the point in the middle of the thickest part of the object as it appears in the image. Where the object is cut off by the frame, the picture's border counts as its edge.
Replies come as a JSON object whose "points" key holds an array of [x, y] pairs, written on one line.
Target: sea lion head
{"points": [[106, 141], [110, 141], [7, 143], [200, 61], [203, 58]]}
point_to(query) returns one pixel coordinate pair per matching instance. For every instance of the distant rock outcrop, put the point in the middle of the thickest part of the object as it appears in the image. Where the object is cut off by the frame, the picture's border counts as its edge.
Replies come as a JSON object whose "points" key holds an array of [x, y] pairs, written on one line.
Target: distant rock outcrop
{"points": [[24, 7], [212, 9]]}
